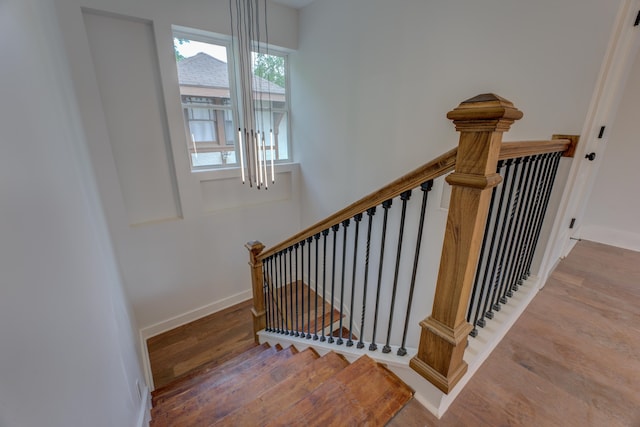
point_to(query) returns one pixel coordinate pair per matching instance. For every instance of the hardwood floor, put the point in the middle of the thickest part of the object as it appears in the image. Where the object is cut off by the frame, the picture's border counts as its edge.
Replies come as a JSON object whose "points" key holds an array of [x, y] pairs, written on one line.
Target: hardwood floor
{"points": [[211, 340], [572, 359]]}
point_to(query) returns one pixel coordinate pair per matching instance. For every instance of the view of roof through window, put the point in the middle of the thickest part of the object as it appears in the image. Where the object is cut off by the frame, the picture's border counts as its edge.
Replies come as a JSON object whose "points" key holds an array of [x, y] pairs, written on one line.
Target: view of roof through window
{"points": [[209, 102]]}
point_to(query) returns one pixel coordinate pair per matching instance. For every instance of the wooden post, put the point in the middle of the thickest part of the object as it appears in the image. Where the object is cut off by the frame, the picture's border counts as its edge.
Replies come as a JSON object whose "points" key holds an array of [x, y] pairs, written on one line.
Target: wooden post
{"points": [[257, 282], [481, 121]]}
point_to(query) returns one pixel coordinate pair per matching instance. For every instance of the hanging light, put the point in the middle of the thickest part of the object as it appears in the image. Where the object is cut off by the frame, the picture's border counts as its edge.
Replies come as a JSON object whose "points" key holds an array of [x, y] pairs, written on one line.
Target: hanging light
{"points": [[248, 26]]}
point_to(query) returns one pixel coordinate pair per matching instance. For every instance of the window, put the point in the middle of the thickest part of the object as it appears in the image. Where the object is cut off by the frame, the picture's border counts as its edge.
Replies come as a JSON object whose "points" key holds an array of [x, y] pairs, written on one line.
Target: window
{"points": [[208, 96]]}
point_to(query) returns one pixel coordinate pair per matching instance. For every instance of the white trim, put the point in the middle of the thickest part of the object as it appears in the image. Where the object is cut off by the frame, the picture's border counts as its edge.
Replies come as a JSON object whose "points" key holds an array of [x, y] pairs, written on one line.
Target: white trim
{"points": [[481, 347], [144, 413], [182, 319], [146, 362], [426, 393], [610, 236], [616, 66]]}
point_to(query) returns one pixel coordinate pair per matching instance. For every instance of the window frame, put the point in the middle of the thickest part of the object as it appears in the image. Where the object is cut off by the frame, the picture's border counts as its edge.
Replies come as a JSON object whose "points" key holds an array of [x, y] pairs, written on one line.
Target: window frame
{"points": [[234, 96]]}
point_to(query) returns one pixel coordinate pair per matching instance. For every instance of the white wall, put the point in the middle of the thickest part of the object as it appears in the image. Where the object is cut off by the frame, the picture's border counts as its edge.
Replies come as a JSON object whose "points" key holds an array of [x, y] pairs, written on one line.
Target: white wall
{"points": [[613, 211], [181, 252], [68, 356], [373, 81]]}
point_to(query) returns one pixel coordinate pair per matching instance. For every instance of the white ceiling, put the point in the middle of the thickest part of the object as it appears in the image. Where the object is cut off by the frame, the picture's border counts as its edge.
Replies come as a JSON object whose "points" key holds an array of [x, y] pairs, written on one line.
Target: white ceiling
{"points": [[298, 4]]}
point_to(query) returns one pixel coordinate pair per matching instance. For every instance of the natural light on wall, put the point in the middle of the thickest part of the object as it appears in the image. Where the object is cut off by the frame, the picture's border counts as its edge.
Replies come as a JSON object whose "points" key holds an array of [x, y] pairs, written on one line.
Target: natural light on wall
{"points": [[234, 97]]}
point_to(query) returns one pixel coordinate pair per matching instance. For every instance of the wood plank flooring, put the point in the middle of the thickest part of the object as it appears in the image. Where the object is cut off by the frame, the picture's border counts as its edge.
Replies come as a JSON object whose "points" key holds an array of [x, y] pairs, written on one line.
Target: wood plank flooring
{"points": [[572, 359], [303, 317], [211, 340]]}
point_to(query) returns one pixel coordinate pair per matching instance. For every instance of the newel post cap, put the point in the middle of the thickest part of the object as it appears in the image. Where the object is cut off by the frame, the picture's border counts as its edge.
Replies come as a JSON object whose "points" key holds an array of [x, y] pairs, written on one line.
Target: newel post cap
{"points": [[255, 248], [485, 112]]}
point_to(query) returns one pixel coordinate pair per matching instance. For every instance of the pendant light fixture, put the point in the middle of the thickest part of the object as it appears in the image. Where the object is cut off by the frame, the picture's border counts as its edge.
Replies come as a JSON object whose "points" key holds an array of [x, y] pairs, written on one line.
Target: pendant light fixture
{"points": [[250, 37]]}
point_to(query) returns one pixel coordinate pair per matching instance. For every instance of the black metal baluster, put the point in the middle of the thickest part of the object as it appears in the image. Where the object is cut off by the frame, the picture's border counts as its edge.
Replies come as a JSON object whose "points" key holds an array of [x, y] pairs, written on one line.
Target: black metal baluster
{"points": [[496, 273], [302, 243], [404, 197], [517, 209], [315, 321], [266, 293], [333, 280], [523, 212], [486, 280], [290, 249], [357, 218], [345, 226], [274, 295], [325, 233], [425, 187], [282, 306], [476, 284], [297, 333], [512, 202], [309, 240], [535, 211], [286, 294], [385, 205], [370, 213], [551, 171], [532, 203]]}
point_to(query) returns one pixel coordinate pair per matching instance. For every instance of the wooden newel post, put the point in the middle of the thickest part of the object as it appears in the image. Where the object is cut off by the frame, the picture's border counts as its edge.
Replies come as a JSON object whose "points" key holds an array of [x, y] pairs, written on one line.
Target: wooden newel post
{"points": [[481, 121], [257, 283]]}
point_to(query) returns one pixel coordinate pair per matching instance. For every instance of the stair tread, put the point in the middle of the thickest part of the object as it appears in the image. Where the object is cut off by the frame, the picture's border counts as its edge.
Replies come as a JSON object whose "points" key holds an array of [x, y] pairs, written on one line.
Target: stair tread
{"points": [[211, 371], [286, 393], [364, 393], [217, 377], [310, 322], [213, 401]]}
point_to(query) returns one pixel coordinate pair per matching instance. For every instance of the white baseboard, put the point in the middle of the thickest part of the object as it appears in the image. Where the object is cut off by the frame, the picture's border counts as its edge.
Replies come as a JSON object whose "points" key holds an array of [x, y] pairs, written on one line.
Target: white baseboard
{"points": [[481, 347], [144, 413], [182, 319], [610, 236], [198, 313]]}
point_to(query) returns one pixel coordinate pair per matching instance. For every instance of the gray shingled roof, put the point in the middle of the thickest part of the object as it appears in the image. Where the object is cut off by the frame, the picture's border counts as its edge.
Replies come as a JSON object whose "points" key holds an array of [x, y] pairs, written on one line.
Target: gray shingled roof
{"points": [[206, 71]]}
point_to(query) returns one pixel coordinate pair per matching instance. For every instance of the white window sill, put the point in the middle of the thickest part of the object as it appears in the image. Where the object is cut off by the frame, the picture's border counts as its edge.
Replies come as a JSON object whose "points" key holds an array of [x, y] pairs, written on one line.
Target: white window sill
{"points": [[234, 172]]}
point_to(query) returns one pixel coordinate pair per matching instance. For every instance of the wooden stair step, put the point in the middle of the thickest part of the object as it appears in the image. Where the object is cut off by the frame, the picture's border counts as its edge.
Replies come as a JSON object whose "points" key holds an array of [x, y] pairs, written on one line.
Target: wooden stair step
{"points": [[218, 377], [210, 403], [364, 393], [278, 398], [307, 322], [239, 393], [344, 334], [211, 371]]}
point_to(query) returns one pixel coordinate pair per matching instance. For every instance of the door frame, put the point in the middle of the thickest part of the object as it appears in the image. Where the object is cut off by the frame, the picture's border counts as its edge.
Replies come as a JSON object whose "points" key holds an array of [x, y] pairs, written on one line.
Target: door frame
{"points": [[619, 58]]}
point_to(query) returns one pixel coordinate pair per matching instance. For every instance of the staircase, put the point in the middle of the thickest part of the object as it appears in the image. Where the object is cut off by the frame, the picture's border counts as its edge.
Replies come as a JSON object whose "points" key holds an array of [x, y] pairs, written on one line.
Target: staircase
{"points": [[272, 386]]}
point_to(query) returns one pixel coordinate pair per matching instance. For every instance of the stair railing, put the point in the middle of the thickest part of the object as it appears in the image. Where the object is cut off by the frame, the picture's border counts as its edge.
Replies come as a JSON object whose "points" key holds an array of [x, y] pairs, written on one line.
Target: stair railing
{"points": [[307, 286]]}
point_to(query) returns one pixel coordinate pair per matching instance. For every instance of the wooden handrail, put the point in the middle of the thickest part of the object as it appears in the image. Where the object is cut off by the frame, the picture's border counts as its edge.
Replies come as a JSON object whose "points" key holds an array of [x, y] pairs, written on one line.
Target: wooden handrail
{"points": [[512, 150], [434, 169], [564, 143], [437, 167]]}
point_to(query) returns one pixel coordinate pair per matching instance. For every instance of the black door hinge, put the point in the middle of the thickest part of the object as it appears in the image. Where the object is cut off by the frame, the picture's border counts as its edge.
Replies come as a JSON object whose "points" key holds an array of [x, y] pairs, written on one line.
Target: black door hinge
{"points": [[573, 222], [635, 24], [601, 134]]}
